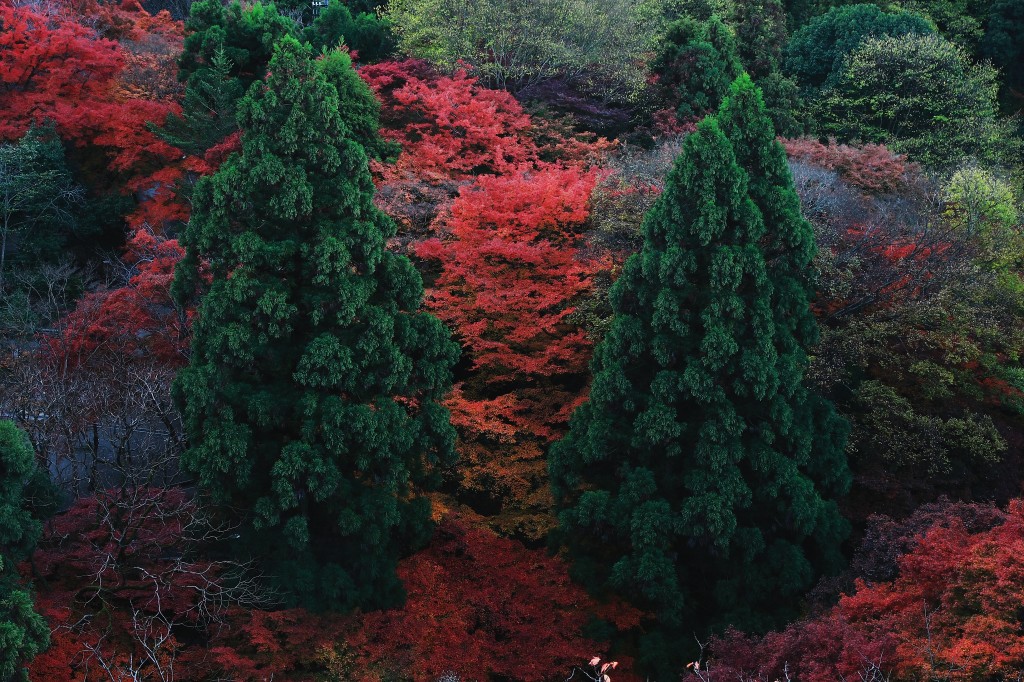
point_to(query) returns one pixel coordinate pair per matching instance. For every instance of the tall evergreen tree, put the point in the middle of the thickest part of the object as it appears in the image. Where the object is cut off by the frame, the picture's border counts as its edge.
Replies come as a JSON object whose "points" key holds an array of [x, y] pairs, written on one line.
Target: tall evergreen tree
{"points": [[694, 481], [23, 632], [311, 396], [810, 430]]}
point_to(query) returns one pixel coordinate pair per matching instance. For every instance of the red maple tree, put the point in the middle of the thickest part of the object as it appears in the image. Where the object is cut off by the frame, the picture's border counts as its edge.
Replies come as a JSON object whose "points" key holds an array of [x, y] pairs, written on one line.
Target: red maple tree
{"points": [[952, 612]]}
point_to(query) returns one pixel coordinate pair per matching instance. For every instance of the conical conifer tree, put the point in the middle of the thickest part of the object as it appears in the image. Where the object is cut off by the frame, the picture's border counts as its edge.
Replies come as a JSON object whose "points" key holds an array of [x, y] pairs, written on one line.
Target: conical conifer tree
{"points": [[789, 248], [311, 399], [689, 482]]}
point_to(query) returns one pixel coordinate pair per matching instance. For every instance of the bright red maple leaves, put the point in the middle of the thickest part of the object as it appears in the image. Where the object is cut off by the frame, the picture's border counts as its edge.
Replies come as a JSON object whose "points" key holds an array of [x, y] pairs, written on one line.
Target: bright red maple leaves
{"points": [[478, 603], [497, 203], [953, 612], [52, 67], [511, 267], [448, 126]]}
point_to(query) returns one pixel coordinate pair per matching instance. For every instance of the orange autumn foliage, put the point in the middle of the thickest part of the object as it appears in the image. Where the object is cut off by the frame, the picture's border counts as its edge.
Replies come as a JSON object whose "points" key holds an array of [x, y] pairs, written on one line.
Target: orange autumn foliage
{"points": [[483, 606], [953, 611], [448, 126], [511, 267]]}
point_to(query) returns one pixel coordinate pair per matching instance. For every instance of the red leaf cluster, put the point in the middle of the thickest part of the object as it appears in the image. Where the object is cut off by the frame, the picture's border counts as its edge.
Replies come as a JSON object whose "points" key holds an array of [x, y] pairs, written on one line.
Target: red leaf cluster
{"points": [[482, 606], [870, 167], [448, 126], [511, 268], [54, 68], [478, 605], [139, 318], [953, 611]]}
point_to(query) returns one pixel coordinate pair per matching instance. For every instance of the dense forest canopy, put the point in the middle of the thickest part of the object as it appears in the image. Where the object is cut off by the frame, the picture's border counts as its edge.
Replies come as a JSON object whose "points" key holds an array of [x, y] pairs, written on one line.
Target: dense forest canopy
{"points": [[498, 340]]}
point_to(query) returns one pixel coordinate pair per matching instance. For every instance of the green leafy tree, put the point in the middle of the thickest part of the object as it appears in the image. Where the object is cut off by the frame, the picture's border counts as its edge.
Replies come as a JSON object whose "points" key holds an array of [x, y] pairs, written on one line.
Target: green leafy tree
{"points": [[818, 51], [695, 65], [37, 198], [369, 35], [518, 44], [982, 208], [799, 12], [922, 96], [23, 632], [905, 436], [701, 10], [311, 399], [695, 480], [367, 6], [961, 21]]}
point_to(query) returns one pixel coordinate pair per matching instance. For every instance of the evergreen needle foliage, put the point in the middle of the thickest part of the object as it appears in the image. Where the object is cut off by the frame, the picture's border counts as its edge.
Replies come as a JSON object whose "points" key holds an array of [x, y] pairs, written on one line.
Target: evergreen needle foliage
{"points": [[311, 397], [23, 632], [696, 63], [696, 479], [208, 110]]}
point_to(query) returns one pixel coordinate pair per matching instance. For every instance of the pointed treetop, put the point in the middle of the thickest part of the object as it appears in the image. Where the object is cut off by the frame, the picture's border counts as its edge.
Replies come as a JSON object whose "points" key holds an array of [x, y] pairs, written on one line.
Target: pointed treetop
{"points": [[746, 122]]}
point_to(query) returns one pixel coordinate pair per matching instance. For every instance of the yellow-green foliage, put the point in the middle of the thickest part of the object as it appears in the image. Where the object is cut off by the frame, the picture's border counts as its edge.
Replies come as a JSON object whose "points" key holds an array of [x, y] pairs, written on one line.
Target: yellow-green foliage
{"points": [[598, 44], [983, 206], [921, 95]]}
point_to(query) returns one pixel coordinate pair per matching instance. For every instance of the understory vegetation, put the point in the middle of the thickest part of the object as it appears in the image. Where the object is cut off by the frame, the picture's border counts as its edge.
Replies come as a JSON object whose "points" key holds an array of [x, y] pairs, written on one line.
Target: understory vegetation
{"points": [[494, 340]]}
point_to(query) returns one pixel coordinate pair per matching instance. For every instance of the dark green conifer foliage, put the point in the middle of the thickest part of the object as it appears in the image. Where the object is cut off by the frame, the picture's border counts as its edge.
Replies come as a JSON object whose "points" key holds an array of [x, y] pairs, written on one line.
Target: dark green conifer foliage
{"points": [[694, 481], [761, 37], [38, 201], [227, 47], [243, 34], [311, 396], [365, 32], [817, 436], [789, 242], [23, 632], [696, 63], [208, 110]]}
